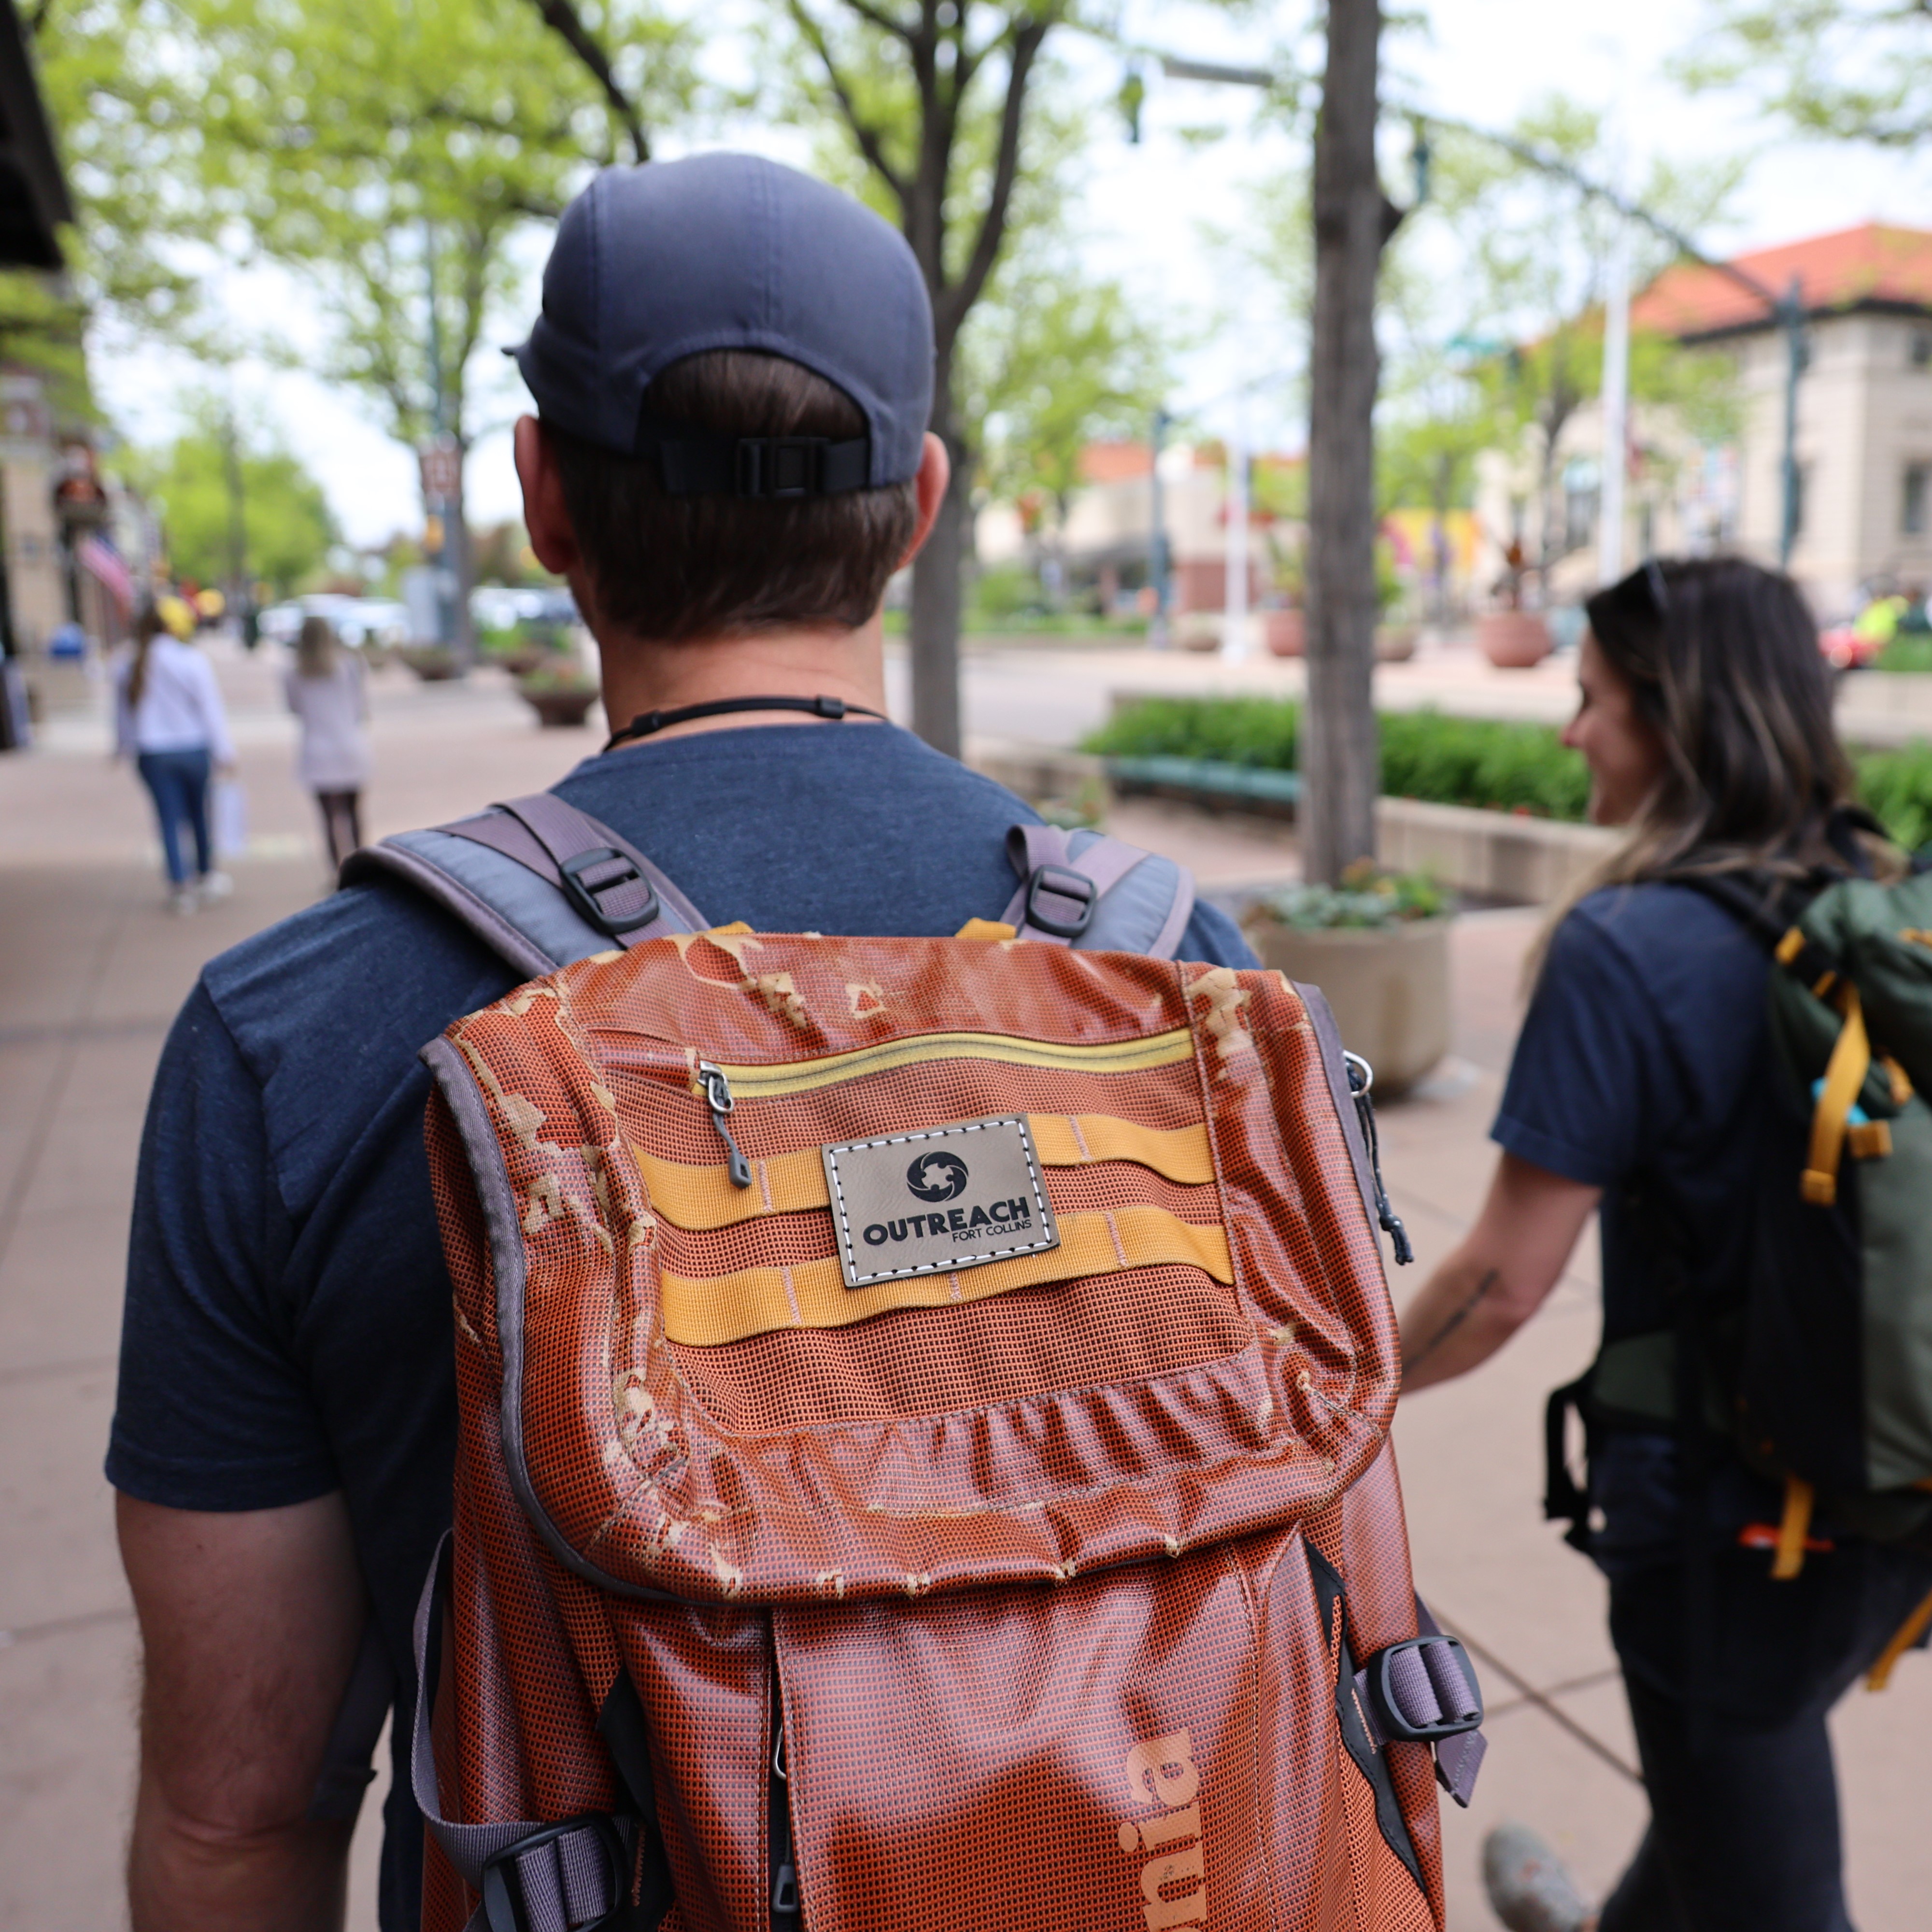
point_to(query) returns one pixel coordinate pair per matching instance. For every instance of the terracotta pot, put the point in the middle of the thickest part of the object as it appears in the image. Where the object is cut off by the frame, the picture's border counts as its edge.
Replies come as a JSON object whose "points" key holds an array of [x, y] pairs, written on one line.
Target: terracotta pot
{"points": [[1513, 640], [1286, 632], [1389, 987], [560, 709], [1395, 643], [434, 664]]}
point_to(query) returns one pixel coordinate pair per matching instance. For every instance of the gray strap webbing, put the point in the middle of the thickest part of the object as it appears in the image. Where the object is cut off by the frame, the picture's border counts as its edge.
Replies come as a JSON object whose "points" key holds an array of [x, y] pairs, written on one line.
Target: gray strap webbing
{"points": [[566, 1880], [501, 873], [1430, 1683], [1133, 902]]}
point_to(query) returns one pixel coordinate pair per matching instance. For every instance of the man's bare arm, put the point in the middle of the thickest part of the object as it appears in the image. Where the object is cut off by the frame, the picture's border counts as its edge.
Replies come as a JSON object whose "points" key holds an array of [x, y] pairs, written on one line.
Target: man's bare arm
{"points": [[1498, 1278], [249, 1623]]}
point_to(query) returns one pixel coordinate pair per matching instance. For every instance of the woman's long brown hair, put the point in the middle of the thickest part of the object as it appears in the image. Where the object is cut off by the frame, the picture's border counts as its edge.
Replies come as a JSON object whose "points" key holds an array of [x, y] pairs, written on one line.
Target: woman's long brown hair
{"points": [[1721, 657], [147, 626], [315, 647]]}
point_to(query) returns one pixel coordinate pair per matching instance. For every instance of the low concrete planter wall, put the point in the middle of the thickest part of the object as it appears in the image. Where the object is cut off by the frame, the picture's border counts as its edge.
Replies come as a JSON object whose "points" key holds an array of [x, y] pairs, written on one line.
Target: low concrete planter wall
{"points": [[1495, 855], [1389, 989], [1500, 855]]}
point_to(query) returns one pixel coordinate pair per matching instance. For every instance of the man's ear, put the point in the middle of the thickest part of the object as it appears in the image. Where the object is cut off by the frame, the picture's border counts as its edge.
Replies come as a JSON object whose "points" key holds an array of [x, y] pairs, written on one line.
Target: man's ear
{"points": [[935, 472], [546, 515]]}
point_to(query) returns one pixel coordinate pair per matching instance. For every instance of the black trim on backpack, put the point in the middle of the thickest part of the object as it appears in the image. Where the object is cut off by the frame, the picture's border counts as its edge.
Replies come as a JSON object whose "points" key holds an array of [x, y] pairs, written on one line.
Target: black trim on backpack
{"points": [[1330, 1602], [621, 1725]]}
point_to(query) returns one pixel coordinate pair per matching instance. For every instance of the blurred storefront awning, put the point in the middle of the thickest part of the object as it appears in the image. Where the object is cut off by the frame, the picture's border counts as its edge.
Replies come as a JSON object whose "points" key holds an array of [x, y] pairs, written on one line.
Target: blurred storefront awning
{"points": [[33, 192]]}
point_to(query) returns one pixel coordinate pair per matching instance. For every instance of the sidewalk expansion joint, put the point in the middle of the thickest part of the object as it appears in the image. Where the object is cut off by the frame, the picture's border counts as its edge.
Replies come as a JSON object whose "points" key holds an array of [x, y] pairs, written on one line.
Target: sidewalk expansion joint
{"points": [[121, 1613]]}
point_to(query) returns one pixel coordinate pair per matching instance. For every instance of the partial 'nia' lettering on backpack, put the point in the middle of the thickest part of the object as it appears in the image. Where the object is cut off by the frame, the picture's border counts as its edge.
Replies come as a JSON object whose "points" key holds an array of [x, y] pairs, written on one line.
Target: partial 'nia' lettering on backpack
{"points": [[1162, 1771]]}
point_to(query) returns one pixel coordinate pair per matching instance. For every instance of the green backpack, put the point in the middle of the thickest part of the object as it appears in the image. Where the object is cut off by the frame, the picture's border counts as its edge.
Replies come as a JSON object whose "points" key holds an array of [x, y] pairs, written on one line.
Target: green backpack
{"points": [[1819, 1372]]}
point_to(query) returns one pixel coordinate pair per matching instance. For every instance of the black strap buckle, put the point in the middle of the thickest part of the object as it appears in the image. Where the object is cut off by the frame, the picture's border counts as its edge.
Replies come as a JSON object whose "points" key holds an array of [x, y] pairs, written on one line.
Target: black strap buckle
{"points": [[1063, 884], [587, 898], [780, 466], [1435, 1677], [506, 1908]]}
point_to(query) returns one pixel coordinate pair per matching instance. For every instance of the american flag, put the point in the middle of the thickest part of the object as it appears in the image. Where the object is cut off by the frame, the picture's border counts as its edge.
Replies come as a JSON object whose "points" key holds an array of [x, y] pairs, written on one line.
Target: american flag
{"points": [[102, 561]]}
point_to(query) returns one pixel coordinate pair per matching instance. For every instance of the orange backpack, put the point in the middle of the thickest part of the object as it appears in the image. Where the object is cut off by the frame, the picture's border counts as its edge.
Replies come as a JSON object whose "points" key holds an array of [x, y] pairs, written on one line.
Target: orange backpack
{"points": [[924, 1455]]}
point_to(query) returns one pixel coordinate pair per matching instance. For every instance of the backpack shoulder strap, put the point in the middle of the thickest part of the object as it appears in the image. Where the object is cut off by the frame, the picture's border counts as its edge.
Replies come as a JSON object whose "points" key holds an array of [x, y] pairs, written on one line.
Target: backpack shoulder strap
{"points": [[539, 882], [1084, 890], [1770, 915]]}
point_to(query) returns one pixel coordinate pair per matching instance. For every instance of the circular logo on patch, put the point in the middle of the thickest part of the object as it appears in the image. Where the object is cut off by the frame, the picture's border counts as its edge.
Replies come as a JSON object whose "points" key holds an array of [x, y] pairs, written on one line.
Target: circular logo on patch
{"points": [[938, 1176]]}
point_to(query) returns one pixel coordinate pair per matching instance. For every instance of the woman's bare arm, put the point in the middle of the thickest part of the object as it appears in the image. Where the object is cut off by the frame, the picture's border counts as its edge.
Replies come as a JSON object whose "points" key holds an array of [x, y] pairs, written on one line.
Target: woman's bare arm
{"points": [[1500, 1275]]}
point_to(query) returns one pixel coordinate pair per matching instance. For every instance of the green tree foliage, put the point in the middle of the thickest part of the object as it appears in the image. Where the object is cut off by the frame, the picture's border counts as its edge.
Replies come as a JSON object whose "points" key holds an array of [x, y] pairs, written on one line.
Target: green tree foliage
{"points": [[398, 145], [389, 154], [111, 74], [1525, 314], [1050, 364], [1472, 761], [285, 520], [1849, 69]]}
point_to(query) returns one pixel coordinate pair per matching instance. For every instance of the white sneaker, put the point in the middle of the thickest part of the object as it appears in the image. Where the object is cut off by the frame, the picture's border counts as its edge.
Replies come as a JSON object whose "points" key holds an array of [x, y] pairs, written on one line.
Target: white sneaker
{"points": [[182, 900], [1529, 1890], [215, 886]]}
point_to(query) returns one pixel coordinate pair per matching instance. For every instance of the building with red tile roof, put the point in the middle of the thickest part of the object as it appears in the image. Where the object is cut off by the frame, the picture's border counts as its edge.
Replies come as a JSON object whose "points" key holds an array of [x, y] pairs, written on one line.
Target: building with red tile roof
{"points": [[1863, 443], [1874, 269]]}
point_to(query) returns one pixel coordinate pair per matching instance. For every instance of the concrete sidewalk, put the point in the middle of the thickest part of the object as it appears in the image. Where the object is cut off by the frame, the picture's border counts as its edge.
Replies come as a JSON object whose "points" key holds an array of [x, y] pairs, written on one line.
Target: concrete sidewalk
{"points": [[90, 972]]}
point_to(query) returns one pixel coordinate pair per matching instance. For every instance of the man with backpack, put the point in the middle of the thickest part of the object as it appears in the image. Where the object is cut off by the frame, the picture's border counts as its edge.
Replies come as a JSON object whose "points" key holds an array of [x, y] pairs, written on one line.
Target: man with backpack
{"points": [[733, 373]]}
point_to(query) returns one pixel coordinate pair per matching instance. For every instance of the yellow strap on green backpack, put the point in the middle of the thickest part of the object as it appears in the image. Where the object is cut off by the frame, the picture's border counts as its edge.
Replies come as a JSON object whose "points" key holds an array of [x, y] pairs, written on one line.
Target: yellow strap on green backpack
{"points": [[1844, 1076]]}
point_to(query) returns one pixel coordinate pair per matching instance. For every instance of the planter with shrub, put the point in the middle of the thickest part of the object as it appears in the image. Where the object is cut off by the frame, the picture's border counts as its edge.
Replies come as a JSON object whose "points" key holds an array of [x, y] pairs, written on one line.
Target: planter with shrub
{"points": [[561, 695], [1378, 947], [434, 664]]}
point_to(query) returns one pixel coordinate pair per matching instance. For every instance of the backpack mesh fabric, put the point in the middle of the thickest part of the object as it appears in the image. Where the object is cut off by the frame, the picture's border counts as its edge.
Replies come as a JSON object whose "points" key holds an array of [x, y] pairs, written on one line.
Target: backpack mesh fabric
{"points": [[1051, 1603]]}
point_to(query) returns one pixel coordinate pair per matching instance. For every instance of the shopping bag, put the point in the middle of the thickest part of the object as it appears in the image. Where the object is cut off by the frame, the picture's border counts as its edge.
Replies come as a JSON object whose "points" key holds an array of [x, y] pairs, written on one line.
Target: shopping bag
{"points": [[230, 819]]}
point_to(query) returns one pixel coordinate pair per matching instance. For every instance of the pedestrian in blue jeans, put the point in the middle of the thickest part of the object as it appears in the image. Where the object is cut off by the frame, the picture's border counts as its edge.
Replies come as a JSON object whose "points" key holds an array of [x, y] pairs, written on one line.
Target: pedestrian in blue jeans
{"points": [[169, 716]]}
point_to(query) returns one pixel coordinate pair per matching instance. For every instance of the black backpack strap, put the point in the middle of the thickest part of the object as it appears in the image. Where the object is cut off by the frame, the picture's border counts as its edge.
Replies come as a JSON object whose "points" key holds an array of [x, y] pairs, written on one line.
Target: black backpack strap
{"points": [[539, 882], [1084, 890], [1770, 913]]}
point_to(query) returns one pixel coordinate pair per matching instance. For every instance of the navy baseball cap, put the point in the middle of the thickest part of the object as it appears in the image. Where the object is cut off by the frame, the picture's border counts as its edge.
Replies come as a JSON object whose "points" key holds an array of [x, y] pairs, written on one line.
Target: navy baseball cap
{"points": [[654, 263]]}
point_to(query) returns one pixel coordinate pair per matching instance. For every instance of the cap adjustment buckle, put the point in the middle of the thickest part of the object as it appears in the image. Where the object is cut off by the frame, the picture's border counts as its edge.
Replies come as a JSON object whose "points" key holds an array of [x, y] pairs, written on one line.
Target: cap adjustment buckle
{"points": [[781, 465]]}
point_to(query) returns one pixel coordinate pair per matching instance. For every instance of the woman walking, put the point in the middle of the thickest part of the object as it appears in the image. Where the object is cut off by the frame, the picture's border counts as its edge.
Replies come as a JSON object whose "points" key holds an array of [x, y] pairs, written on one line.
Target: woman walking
{"points": [[1645, 1084], [326, 691], [168, 718]]}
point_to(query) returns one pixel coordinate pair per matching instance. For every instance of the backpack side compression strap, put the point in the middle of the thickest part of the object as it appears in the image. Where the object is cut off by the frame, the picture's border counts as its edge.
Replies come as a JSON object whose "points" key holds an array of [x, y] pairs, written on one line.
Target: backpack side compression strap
{"points": [[1084, 890], [537, 881]]}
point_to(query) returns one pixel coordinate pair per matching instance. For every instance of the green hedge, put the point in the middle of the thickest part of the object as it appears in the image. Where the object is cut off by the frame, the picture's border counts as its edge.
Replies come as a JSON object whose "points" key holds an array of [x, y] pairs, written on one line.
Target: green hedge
{"points": [[1425, 755], [1474, 761]]}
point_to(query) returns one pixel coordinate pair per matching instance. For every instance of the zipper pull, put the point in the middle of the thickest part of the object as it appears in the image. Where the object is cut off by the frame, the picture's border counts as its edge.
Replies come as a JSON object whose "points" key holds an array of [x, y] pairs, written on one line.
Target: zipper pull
{"points": [[1361, 1079], [718, 1098]]}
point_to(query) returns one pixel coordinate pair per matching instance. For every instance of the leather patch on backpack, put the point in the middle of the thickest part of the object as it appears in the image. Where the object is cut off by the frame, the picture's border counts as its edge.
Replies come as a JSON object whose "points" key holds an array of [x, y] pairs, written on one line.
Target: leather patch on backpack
{"points": [[943, 1197]]}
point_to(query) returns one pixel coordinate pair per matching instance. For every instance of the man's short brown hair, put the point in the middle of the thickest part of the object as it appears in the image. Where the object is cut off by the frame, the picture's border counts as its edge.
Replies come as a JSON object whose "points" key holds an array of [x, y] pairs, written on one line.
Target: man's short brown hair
{"points": [[675, 568]]}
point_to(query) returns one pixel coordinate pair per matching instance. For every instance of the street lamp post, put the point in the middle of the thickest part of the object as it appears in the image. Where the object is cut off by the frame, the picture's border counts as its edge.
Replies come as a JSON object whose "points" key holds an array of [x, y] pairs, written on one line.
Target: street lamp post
{"points": [[1158, 633], [1234, 622], [1791, 319]]}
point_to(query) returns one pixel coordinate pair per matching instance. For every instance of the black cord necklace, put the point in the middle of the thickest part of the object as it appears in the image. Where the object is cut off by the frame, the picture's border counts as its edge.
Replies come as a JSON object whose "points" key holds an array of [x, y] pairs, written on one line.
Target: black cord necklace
{"points": [[646, 722]]}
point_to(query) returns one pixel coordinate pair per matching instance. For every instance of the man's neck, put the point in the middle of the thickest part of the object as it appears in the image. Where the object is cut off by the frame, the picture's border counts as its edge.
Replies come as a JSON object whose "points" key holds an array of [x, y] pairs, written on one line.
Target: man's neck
{"points": [[640, 675]]}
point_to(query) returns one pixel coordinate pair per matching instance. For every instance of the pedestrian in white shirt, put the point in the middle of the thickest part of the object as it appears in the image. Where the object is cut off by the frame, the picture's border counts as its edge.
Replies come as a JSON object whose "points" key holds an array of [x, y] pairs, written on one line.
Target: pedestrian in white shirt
{"points": [[168, 718], [327, 691]]}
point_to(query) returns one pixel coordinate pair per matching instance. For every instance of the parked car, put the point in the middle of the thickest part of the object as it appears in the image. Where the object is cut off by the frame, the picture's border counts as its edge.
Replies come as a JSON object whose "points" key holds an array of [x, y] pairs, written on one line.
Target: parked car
{"points": [[1845, 648], [495, 607], [358, 620]]}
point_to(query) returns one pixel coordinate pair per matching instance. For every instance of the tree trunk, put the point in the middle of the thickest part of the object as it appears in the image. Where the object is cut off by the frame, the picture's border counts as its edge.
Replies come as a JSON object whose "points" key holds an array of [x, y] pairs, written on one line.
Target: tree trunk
{"points": [[1353, 220], [935, 614]]}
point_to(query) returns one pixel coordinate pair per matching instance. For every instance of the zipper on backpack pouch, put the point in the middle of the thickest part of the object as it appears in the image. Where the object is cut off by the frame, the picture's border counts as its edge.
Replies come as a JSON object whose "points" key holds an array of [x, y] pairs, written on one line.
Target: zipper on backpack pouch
{"points": [[776, 1079], [719, 1098]]}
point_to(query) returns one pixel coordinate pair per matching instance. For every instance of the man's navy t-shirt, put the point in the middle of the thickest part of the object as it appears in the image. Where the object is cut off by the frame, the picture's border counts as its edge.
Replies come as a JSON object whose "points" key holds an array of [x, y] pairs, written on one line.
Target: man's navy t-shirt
{"points": [[287, 1331], [1645, 1061]]}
